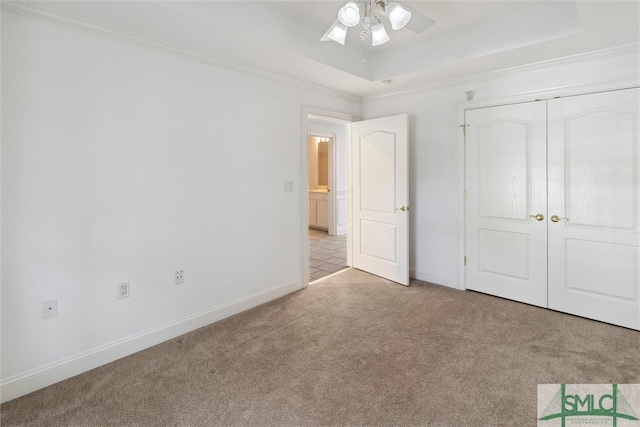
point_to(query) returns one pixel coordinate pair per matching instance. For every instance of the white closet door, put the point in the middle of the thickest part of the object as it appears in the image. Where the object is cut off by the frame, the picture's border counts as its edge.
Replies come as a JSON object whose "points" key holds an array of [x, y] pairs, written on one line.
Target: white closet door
{"points": [[506, 188], [594, 188]]}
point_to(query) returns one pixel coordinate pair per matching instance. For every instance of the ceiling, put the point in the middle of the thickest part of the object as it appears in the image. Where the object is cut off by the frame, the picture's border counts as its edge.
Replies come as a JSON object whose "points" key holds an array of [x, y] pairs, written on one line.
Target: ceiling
{"points": [[283, 37]]}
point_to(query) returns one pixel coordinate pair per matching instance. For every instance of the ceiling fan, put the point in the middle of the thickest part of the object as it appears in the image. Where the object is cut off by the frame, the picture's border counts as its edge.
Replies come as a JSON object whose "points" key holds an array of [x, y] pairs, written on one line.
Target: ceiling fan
{"points": [[366, 15]]}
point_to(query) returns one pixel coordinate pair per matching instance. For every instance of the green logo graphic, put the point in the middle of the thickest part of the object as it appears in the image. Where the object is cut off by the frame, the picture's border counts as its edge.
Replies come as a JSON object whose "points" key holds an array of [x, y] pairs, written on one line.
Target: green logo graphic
{"points": [[612, 405]]}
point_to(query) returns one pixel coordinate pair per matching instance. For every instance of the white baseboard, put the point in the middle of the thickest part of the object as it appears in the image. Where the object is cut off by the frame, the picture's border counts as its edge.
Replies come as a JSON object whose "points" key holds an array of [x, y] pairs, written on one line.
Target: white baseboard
{"points": [[432, 277], [34, 380]]}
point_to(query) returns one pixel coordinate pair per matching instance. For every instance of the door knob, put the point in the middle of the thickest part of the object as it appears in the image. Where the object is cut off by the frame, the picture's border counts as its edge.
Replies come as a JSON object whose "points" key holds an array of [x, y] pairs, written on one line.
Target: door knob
{"points": [[402, 208], [538, 217], [556, 218]]}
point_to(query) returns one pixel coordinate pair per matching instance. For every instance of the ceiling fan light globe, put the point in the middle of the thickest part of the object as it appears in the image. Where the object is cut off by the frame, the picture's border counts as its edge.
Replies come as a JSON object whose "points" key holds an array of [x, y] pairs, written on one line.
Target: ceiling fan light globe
{"points": [[349, 15], [338, 33], [398, 16], [378, 35]]}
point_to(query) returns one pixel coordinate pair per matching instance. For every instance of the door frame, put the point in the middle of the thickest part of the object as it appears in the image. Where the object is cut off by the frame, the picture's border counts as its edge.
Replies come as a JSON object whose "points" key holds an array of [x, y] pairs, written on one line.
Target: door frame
{"points": [[331, 116], [460, 148]]}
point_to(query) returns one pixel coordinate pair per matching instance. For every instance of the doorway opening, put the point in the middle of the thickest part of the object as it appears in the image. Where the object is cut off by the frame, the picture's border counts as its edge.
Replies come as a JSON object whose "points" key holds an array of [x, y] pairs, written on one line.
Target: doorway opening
{"points": [[328, 140], [370, 194], [327, 248]]}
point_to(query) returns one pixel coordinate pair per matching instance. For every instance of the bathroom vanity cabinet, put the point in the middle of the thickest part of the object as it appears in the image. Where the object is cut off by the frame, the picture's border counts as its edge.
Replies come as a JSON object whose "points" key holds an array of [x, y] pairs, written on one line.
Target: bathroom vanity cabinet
{"points": [[319, 209]]}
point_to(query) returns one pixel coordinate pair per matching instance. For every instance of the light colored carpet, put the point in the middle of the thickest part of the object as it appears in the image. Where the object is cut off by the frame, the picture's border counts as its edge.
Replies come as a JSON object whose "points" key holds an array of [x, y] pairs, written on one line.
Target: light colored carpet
{"points": [[352, 349]]}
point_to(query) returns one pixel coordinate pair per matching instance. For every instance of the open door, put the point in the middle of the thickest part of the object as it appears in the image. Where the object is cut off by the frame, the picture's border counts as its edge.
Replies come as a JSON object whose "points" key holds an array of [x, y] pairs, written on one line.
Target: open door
{"points": [[380, 188]]}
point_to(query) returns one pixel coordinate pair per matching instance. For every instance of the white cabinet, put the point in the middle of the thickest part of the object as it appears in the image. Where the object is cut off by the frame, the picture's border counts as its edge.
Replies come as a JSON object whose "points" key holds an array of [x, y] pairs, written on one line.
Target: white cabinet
{"points": [[319, 210]]}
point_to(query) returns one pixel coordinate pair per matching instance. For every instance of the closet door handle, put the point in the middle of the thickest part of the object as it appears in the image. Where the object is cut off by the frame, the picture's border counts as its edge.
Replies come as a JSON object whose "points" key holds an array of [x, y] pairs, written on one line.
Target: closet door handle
{"points": [[538, 217], [556, 218]]}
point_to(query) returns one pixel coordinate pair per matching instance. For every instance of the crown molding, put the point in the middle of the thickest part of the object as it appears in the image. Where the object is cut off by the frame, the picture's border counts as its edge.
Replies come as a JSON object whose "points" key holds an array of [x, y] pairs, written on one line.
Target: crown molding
{"points": [[45, 14], [505, 72], [38, 12]]}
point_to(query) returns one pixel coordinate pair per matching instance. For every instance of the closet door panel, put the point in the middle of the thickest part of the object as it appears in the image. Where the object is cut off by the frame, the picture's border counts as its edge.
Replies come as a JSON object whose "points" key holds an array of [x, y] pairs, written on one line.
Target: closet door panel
{"points": [[594, 190], [506, 189]]}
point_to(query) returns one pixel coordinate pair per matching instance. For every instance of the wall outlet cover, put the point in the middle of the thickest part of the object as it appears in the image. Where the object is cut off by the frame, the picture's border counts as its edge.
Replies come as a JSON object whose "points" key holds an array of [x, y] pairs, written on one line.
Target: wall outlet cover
{"points": [[49, 308], [179, 277], [124, 290]]}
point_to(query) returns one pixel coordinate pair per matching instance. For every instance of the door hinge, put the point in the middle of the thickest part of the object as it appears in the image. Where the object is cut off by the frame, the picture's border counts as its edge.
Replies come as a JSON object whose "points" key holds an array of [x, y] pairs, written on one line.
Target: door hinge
{"points": [[465, 260], [464, 129], [464, 195]]}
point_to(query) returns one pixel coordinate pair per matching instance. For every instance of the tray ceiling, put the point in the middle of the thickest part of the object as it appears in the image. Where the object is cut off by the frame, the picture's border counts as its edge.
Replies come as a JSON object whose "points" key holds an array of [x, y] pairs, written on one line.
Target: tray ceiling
{"points": [[283, 38]]}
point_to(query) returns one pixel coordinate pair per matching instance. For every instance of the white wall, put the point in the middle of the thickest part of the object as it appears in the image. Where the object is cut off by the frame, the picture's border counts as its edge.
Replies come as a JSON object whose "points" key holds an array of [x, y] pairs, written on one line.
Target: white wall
{"points": [[125, 163], [434, 132]]}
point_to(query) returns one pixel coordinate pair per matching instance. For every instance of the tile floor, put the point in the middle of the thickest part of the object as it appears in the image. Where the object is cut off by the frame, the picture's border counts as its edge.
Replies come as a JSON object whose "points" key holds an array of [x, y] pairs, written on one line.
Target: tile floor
{"points": [[327, 254]]}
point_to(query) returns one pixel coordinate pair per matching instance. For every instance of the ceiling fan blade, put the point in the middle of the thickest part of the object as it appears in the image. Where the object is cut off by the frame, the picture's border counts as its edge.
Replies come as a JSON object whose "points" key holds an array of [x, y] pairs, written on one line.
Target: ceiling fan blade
{"points": [[418, 22]]}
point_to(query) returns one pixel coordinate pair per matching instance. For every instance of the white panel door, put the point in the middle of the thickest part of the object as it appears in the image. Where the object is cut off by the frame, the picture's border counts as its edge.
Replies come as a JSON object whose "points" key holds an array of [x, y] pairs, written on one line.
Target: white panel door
{"points": [[594, 190], [506, 189], [380, 187]]}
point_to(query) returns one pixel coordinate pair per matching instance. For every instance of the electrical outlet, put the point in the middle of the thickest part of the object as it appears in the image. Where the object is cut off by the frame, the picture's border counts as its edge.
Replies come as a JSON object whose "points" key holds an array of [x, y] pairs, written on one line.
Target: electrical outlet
{"points": [[124, 290], [179, 277], [49, 308]]}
